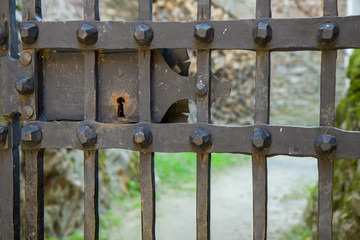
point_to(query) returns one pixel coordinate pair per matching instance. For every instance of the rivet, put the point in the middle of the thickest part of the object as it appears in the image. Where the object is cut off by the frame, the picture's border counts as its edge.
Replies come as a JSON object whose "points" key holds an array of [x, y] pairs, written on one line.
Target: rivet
{"points": [[143, 34], [328, 33], [25, 85], [261, 139], [87, 34], [31, 134], [325, 144], [142, 136], [262, 34], [29, 33], [87, 136], [28, 111], [25, 58], [204, 32], [201, 89], [201, 139]]}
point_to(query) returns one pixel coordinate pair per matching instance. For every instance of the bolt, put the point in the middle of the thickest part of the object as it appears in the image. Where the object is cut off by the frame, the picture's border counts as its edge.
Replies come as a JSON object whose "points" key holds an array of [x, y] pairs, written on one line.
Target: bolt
{"points": [[87, 34], [3, 134], [262, 34], [28, 111], [261, 139], [328, 33], [87, 136], [29, 33], [2, 37], [25, 85], [143, 34], [325, 144], [142, 136], [31, 134], [201, 138], [25, 58], [201, 89], [204, 32]]}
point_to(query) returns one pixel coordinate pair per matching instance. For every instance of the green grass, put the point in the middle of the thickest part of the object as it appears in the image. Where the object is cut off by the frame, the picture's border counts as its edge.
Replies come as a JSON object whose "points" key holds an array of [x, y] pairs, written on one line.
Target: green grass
{"points": [[176, 170]]}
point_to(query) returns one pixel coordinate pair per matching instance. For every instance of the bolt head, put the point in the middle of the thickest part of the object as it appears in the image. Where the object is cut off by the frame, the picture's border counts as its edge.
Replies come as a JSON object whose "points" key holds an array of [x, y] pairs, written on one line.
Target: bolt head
{"points": [[262, 34], [2, 37], [29, 33], [204, 32], [201, 89], [28, 111], [87, 136], [325, 144], [142, 136], [25, 85], [25, 58], [261, 139], [328, 33], [143, 34], [31, 134], [87, 34], [201, 138], [3, 134]]}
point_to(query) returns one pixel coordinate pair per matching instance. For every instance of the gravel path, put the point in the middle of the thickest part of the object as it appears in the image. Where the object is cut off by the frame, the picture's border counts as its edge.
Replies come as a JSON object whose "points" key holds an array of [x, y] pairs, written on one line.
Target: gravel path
{"points": [[231, 204]]}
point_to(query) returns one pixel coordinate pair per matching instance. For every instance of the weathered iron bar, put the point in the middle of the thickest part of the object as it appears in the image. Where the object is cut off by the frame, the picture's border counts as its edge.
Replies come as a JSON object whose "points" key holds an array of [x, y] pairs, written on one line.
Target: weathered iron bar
{"points": [[10, 179], [328, 34], [286, 140], [203, 34], [288, 34], [262, 35]]}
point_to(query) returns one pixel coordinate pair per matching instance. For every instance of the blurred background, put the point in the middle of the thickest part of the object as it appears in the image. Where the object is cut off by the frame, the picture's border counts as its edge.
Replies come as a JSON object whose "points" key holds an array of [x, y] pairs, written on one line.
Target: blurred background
{"points": [[295, 100]]}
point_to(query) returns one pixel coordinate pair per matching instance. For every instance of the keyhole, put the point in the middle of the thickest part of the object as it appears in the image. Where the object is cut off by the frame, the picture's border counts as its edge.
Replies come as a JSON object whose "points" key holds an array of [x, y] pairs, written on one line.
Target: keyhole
{"points": [[120, 108]]}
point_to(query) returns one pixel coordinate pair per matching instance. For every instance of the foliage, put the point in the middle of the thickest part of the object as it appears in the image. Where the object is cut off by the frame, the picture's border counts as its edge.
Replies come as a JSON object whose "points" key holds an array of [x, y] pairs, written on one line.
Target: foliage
{"points": [[346, 194]]}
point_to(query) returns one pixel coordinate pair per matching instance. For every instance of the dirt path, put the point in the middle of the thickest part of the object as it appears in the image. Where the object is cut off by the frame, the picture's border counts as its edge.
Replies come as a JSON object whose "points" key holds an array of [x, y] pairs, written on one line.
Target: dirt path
{"points": [[231, 204]]}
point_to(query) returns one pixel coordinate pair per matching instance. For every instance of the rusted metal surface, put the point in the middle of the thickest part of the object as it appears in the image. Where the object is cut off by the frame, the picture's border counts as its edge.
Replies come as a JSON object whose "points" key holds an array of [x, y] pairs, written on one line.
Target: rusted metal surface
{"points": [[92, 85]]}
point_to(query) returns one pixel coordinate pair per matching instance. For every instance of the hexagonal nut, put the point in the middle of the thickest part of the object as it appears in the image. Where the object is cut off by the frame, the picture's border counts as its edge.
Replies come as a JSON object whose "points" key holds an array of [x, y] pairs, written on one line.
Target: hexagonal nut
{"points": [[261, 139], [3, 38], [87, 34], [201, 89], [3, 134], [201, 138], [204, 32], [262, 34], [143, 34], [328, 33], [87, 136], [29, 33], [142, 136], [25, 85], [31, 134], [325, 144]]}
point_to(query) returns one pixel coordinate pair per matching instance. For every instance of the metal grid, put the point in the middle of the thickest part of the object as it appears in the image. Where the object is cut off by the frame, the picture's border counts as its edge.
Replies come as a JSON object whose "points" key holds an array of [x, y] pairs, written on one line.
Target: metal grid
{"points": [[50, 47]]}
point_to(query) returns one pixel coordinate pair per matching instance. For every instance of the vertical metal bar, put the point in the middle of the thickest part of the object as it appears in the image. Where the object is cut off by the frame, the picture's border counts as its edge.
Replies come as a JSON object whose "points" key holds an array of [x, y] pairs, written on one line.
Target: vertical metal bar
{"points": [[327, 116], [203, 104], [147, 173], [31, 9], [10, 182], [34, 194], [91, 188], [262, 110], [91, 181]]}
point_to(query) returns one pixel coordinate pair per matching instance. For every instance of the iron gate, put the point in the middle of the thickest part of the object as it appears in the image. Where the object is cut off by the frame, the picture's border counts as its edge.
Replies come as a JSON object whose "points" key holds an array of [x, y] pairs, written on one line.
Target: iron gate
{"points": [[94, 85]]}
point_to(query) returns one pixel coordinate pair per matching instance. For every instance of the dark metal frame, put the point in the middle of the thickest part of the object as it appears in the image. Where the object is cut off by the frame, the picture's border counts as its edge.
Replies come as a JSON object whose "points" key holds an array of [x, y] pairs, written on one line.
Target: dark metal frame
{"points": [[67, 72]]}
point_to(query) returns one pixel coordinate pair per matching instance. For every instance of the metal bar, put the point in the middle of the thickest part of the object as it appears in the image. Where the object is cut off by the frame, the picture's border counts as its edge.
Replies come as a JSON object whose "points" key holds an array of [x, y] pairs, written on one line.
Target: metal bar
{"points": [[91, 188], [31, 10], [296, 34], [203, 105], [327, 118], [147, 173], [8, 26], [34, 194], [286, 140], [10, 181], [91, 219], [262, 111]]}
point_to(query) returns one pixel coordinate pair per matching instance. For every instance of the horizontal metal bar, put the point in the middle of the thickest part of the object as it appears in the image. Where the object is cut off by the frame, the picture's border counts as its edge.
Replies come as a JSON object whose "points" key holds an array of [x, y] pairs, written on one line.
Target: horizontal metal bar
{"points": [[287, 34], [286, 140]]}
